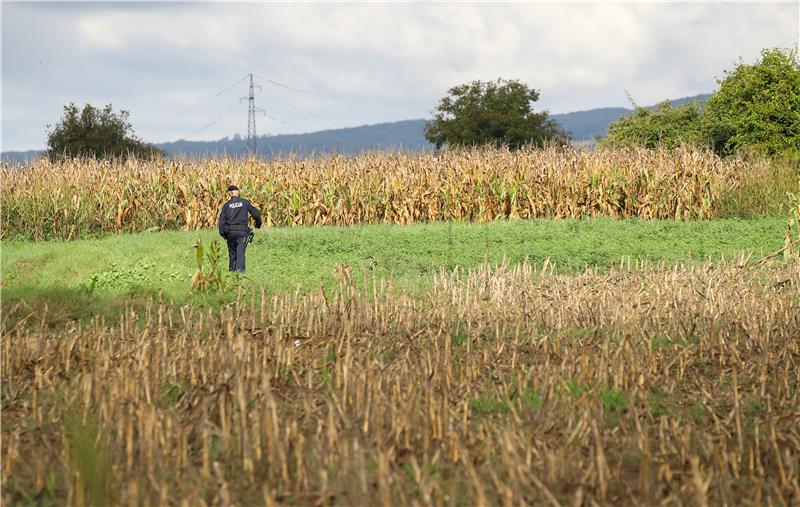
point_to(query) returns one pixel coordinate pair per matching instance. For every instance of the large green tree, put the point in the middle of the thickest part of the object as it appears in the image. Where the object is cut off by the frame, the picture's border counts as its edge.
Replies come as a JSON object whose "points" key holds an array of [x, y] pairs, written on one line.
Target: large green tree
{"points": [[757, 106], [96, 132], [663, 125], [494, 112]]}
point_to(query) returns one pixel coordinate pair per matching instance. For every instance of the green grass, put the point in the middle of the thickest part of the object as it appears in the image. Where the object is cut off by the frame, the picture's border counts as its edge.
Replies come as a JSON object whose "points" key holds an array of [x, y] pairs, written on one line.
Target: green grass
{"points": [[132, 267]]}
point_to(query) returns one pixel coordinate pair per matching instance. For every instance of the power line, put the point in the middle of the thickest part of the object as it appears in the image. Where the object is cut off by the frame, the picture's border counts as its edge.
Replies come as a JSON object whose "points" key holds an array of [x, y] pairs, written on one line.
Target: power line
{"points": [[214, 121], [302, 110], [795, 39], [279, 120], [276, 83], [231, 86]]}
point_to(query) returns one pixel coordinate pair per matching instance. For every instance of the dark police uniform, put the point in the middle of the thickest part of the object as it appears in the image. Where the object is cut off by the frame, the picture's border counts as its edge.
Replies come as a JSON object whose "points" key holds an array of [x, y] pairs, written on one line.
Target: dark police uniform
{"points": [[233, 227]]}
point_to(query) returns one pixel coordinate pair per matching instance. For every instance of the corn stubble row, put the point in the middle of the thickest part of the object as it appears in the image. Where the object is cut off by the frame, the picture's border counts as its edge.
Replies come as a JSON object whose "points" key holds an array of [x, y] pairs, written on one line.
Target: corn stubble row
{"points": [[75, 198], [503, 386]]}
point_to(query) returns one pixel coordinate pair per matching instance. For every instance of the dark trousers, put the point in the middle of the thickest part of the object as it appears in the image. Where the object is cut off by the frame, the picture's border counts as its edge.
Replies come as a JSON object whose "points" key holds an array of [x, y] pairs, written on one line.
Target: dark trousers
{"points": [[237, 243]]}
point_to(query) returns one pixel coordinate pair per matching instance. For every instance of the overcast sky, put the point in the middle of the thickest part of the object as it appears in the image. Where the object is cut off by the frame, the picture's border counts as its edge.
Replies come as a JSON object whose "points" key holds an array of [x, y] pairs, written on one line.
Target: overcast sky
{"points": [[363, 63]]}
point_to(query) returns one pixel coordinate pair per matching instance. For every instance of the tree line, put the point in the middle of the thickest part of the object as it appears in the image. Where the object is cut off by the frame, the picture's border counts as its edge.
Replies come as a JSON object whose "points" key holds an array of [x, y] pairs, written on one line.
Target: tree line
{"points": [[756, 108]]}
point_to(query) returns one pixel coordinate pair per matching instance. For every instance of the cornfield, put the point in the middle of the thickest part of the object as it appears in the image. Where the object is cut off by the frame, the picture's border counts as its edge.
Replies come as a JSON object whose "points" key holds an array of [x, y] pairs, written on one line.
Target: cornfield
{"points": [[646, 385], [79, 198]]}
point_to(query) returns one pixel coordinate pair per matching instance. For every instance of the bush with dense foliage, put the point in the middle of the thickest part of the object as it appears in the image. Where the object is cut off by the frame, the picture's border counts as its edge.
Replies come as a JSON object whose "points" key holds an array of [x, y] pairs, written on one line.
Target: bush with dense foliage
{"points": [[756, 109], [663, 126]]}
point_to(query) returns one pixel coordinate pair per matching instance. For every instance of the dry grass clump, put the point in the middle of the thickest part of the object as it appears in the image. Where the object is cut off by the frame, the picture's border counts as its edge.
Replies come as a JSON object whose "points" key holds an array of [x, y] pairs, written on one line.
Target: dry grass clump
{"points": [[502, 386], [76, 198]]}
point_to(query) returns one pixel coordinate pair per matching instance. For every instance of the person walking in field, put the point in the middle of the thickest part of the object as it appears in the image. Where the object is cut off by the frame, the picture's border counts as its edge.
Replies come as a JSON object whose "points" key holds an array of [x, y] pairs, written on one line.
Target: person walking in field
{"points": [[233, 226]]}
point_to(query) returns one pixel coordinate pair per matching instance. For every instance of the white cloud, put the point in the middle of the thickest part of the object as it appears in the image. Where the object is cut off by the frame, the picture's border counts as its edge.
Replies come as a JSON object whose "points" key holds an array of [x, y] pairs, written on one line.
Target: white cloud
{"points": [[172, 28], [97, 32]]}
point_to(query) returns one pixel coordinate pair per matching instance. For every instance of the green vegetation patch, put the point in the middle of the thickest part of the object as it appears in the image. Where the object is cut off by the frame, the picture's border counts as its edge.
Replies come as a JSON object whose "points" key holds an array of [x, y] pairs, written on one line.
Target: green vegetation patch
{"points": [[84, 277]]}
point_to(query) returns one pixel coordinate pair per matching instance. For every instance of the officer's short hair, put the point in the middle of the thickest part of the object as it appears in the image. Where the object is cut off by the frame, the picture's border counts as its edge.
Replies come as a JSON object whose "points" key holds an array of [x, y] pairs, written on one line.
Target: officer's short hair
{"points": [[232, 188]]}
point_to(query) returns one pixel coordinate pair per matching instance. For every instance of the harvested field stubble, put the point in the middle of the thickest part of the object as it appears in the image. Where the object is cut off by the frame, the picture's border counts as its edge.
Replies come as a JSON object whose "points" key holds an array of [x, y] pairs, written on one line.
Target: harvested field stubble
{"points": [[76, 198], [502, 386]]}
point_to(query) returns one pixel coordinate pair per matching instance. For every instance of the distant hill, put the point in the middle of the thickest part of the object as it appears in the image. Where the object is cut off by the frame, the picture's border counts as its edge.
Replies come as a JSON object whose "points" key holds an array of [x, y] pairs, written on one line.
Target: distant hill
{"points": [[407, 135], [17, 157], [588, 125]]}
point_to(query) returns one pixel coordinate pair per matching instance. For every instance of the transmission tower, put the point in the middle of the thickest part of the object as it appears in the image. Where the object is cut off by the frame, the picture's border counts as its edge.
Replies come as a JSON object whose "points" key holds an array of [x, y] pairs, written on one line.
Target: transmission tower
{"points": [[252, 139], [252, 142]]}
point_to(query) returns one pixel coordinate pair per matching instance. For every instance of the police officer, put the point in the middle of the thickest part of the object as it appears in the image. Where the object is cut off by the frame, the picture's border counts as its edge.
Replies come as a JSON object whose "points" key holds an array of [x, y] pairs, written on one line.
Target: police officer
{"points": [[233, 227]]}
